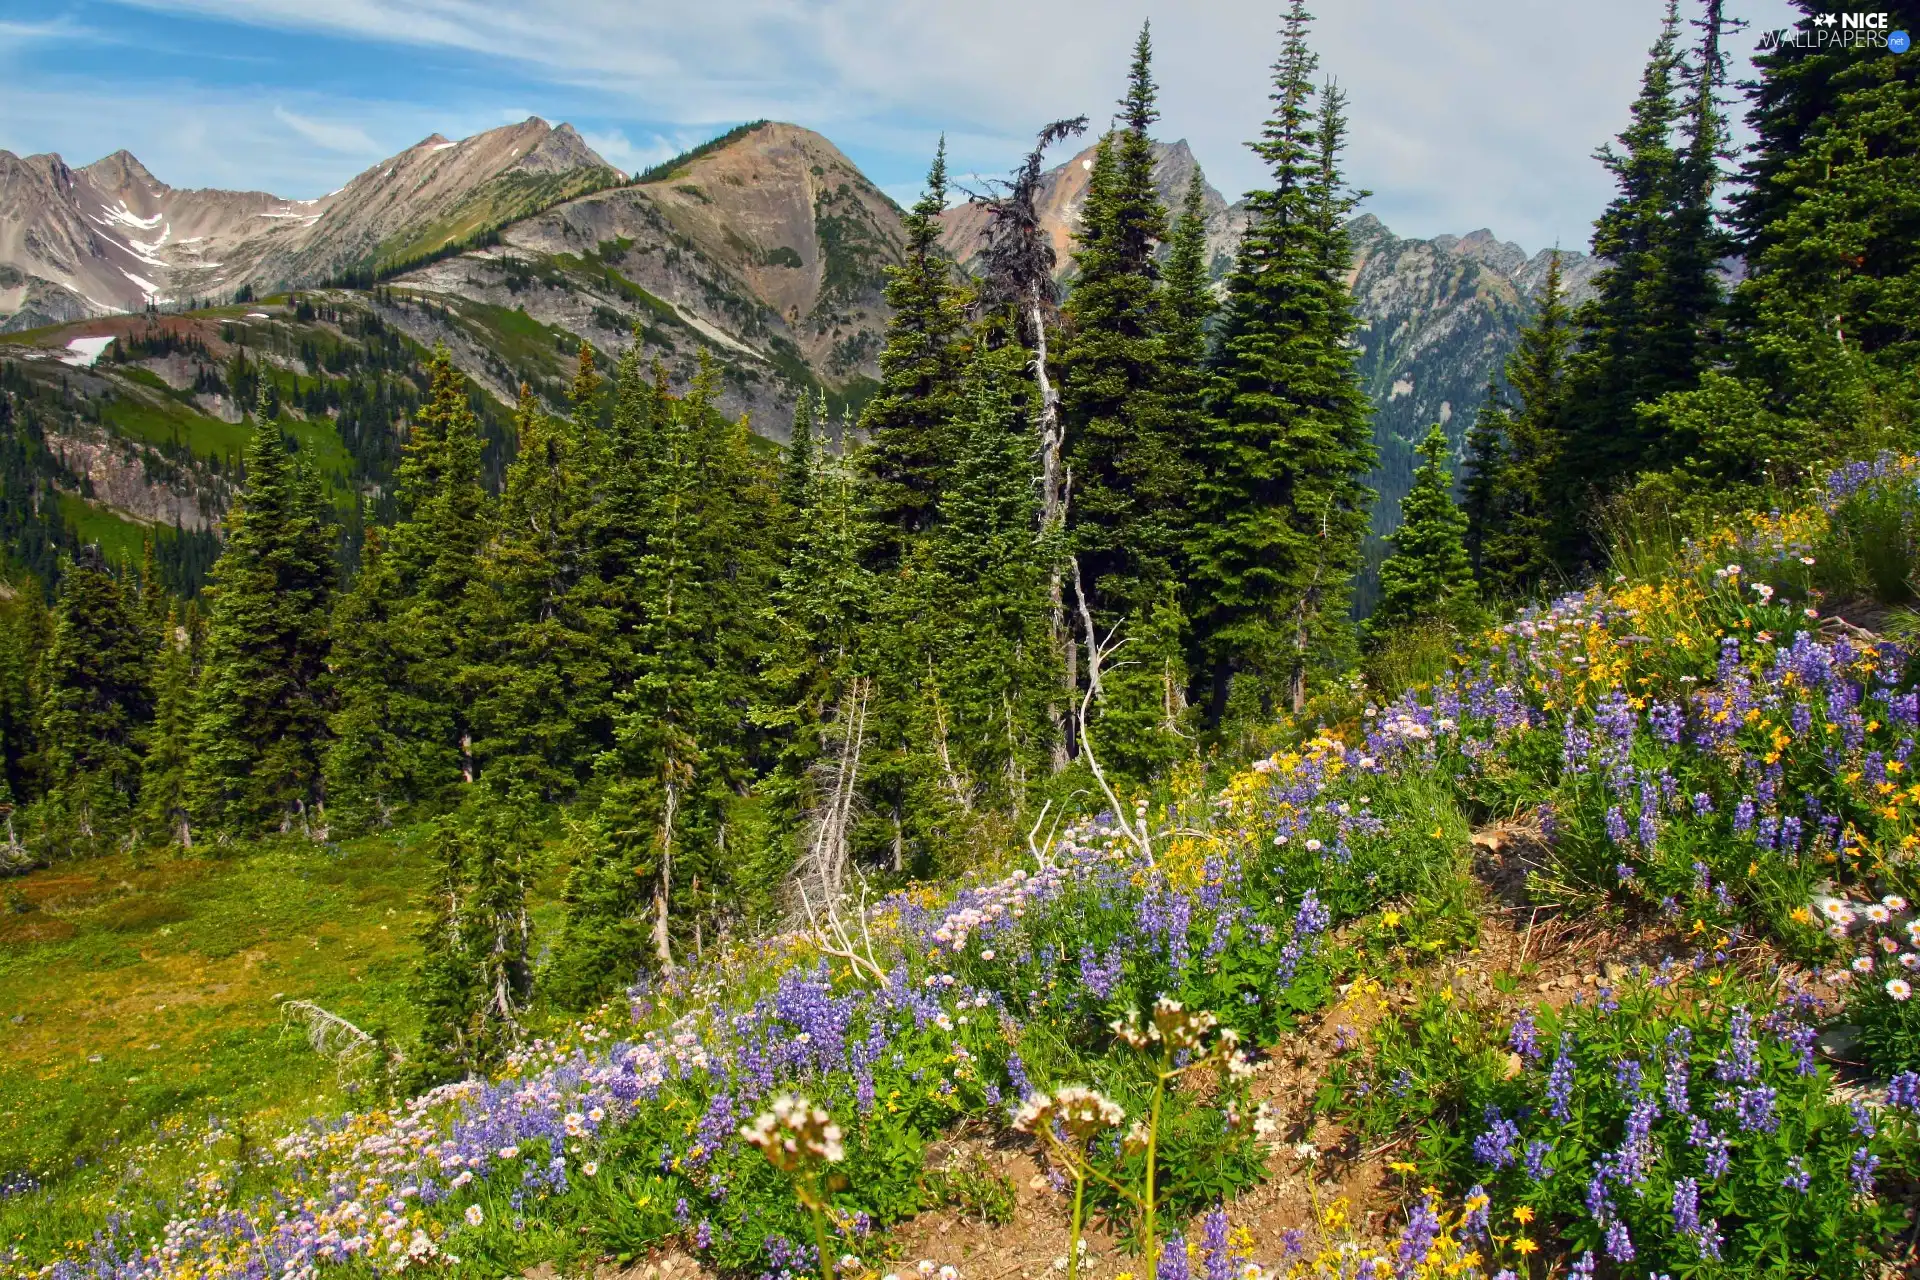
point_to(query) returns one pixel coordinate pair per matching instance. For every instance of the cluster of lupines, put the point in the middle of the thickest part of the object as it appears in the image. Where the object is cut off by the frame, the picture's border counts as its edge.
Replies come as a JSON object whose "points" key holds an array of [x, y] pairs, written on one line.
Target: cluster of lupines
{"points": [[638, 1137], [1670, 1124]]}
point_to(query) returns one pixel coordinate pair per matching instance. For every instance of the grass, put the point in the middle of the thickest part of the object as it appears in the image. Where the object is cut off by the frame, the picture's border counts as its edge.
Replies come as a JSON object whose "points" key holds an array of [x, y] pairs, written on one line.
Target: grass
{"points": [[119, 539], [141, 998]]}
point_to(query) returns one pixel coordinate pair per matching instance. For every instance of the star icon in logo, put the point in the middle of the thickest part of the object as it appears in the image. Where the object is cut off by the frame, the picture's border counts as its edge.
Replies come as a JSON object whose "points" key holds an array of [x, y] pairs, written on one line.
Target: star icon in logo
{"points": [[1826, 19]]}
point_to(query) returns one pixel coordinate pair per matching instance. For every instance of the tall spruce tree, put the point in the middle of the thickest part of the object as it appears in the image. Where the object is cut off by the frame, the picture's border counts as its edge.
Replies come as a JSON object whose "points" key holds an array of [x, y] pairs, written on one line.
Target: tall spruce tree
{"points": [[163, 775], [1636, 342], [1128, 473], [907, 420], [95, 710], [474, 977], [992, 676], [542, 674], [261, 723], [1521, 552], [1428, 578], [679, 745], [1187, 306], [403, 731], [1485, 489], [1280, 506], [1820, 340]]}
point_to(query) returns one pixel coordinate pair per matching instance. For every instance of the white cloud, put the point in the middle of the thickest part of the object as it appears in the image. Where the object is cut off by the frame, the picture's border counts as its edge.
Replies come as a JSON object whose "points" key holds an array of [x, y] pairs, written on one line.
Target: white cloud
{"points": [[347, 139], [616, 149], [1465, 114]]}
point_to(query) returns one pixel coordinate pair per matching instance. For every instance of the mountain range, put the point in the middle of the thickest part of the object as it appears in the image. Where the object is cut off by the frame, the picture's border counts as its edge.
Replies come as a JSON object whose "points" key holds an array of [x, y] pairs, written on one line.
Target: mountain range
{"points": [[766, 249]]}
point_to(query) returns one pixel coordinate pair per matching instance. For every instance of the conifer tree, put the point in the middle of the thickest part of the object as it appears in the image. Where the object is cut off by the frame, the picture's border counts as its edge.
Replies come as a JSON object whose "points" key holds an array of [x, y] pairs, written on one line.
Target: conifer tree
{"points": [[1186, 308], [1821, 331], [906, 421], [402, 731], [95, 709], [796, 470], [475, 976], [260, 725], [163, 776], [26, 633], [993, 677], [1521, 553], [1635, 343], [678, 749], [542, 676], [1129, 482], [1280, 506], [1485, 496], [1428, 578]]}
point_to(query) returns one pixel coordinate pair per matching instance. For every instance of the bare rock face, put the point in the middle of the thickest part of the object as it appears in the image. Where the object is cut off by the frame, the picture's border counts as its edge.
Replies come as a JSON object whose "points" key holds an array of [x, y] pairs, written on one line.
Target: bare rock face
{"points": [[111, 237], [1063, 193]]}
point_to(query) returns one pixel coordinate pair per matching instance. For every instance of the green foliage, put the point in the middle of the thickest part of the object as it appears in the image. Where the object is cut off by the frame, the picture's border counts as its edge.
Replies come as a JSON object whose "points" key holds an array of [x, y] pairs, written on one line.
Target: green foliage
{"points": [[403, 729], [907, 421], [1429, 576], [1697, 1113], [475, 974], [1280, 506], [94, 711], [669, 168], [1129, 474], [260, 727]]}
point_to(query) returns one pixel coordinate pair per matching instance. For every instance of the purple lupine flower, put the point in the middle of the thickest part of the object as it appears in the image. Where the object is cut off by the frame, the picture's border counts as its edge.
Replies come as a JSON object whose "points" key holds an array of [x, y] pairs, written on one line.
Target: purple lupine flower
{"points": [[1797, 1179], [1496, 1145], [1537, 1153], [1686, 1207], [1619, 1242], [1478, 1222], [1583, 1267], [1743, 815], [1860, 1171], [1628, 1075], [1422, 1229], [1755, 1108], [703, 1236], [1904, 1091], [1616, 826], [1863, 1123], [1173, 1258], [1215, 1245], [1560, 1081], [1738, 1065], [1524, 1038], [1702, 804], [1802, 1038], [1311, 918]]}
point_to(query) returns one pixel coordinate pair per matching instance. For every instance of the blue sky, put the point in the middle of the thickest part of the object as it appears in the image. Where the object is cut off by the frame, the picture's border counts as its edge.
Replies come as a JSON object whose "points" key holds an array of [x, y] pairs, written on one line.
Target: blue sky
{"points": [[1466, 113]]}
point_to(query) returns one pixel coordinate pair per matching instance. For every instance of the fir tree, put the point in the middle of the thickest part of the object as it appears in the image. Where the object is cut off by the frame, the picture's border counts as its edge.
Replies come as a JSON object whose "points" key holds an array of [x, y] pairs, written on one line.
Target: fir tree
{"points": [[1520, 554], [260, 727], [402, 731], [474, 977], [1429, 577], [1821, 331], [987, 699], [163, 777], [1129, 482], [95, 709], [1485, 496], [1186, 309], [542, 676], [1279, 504], [796, 470], [906, 421], [1639, 334]]}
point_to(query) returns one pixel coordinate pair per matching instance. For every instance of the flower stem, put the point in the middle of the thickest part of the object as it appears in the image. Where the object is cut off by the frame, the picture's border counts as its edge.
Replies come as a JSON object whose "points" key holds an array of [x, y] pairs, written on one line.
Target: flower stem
{"points": [[1150, 1200], [820, 1237], [1073, 1232]]}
